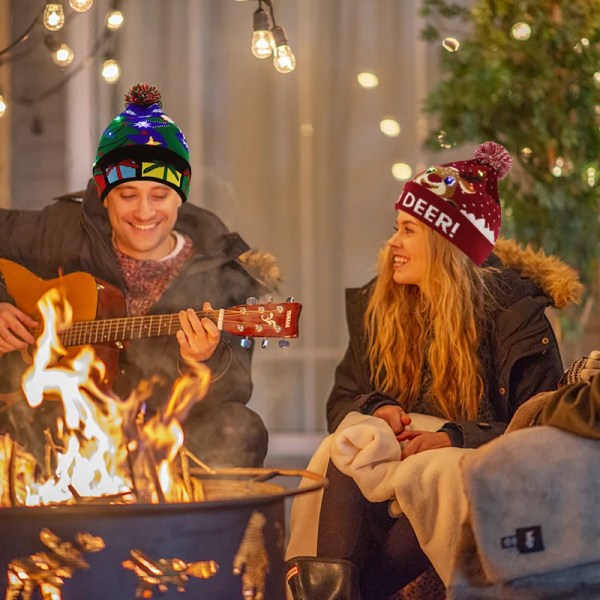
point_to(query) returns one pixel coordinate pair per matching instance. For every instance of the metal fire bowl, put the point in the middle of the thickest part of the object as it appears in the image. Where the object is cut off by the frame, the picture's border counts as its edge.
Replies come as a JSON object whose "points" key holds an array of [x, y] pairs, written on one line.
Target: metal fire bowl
{"points": [[227, 528]]}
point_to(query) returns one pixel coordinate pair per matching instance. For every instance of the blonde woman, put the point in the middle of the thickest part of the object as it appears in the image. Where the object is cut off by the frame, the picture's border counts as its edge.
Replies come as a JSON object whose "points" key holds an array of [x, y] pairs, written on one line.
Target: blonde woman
{"points": [[446, 329]]}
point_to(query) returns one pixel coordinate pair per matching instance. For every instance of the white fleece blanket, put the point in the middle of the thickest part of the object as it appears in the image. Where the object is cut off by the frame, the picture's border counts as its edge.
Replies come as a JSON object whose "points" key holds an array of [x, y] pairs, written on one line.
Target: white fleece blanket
{"points": [[429, 492], [383, 447]]}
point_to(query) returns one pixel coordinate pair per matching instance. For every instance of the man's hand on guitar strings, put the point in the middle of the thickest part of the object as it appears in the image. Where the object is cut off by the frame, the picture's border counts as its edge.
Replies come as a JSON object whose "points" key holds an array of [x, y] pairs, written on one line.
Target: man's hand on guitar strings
{"points": [[198, 338], [14, 328]]}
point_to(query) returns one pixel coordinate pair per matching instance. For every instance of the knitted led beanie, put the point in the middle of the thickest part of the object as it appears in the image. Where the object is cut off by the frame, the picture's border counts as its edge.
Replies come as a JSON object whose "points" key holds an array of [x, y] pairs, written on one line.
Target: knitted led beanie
{"points": [[460, 199], [142, 143]]}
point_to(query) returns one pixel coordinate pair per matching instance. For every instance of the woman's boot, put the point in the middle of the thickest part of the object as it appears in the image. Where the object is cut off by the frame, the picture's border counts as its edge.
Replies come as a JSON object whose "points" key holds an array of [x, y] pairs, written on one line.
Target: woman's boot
{"points": [[312, 578]]}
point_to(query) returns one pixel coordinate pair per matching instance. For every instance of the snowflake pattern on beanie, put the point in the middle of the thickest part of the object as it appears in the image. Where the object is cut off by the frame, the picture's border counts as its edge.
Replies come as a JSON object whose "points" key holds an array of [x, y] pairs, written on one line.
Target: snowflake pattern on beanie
{"points": [[142, 143]]}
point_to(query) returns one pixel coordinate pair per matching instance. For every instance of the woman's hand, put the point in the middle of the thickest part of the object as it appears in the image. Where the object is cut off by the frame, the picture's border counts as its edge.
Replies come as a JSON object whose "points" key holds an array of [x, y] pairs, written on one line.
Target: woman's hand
{"points": [[198, 338], [421, 441], [14, 328], [591, 367], [394, 416]]}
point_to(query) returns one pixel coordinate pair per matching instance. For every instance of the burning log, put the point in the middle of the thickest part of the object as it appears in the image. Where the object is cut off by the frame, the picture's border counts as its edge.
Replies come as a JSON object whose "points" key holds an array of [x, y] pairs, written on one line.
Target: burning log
{"points": [[17, 472]]}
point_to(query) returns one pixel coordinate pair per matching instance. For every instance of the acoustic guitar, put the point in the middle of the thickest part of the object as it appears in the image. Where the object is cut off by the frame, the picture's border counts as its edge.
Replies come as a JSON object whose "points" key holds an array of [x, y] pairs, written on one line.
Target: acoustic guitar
{"points": [[98, 308]]}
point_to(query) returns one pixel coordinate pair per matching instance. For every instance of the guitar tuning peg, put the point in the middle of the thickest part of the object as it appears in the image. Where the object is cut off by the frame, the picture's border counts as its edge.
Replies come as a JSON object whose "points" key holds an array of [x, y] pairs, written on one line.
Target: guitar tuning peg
{"points": [[252, 300], [264, 343], [284, 344], [246, 343], [290, 299]]}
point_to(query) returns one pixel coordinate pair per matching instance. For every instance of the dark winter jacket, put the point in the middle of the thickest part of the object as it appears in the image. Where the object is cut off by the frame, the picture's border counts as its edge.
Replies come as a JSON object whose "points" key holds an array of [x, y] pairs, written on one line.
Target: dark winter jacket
{"points": [[71, 235], [519, 349]]}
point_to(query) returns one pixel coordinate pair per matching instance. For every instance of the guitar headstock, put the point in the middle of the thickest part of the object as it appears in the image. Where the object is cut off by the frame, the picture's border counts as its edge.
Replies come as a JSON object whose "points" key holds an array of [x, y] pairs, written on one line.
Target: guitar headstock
{"points": [[271, 320]]}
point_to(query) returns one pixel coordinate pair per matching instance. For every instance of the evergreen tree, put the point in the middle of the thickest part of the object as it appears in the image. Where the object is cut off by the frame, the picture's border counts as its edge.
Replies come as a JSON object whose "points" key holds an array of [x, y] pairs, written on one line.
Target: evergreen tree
{"points": [[526, 73]]}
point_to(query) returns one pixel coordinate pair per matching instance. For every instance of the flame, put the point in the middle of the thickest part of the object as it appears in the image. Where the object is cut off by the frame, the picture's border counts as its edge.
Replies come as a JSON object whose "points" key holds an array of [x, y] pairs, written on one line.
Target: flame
{"points": [[106, 450]]}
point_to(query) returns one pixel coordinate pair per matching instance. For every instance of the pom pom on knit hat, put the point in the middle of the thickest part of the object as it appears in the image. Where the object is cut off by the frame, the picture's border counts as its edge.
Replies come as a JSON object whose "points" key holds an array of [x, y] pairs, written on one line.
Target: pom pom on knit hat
{"points": [[142, 143], [460, 201]]}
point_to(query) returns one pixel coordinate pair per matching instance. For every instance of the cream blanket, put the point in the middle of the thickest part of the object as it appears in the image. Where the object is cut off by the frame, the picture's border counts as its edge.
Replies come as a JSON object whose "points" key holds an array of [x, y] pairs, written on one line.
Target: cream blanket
{"points": [[306, 507], [429, 492], [522, 508]]}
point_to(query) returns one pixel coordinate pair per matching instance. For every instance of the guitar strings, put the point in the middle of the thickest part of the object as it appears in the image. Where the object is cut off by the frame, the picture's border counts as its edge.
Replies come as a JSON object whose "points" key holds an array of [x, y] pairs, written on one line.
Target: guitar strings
{"points": [[105, 329]]}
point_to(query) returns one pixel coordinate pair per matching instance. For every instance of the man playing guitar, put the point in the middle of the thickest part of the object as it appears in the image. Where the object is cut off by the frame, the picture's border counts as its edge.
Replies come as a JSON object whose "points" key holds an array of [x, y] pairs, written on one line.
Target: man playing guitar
{"points": [[134, 231]]}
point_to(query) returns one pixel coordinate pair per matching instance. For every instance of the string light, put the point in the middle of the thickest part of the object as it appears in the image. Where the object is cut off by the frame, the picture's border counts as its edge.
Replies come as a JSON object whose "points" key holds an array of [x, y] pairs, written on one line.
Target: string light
{"points": [[390, 127], [268, 38], [450, 44], [591, 175], [114, 20], [63, 56], [54, 16], [401, 171], [81, 5], [283, 59], [111, 70], [61, 53], [263, 43], [521, 31], [367, 80]]}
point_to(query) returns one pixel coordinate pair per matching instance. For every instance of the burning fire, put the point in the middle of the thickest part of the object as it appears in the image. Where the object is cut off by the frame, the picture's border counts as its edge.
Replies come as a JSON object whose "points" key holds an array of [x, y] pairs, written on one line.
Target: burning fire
{"points": [[104, 447]]}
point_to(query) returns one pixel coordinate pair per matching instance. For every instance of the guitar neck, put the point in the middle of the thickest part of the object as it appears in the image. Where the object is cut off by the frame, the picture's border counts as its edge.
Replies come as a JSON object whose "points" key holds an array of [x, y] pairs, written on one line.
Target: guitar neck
{"points": [[127, 328], [278, 320]]}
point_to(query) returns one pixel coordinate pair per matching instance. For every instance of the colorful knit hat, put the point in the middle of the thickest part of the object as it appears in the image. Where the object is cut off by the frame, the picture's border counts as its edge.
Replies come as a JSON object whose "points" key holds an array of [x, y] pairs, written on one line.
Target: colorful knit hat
{"points": [[460, 199], [142, 143]]}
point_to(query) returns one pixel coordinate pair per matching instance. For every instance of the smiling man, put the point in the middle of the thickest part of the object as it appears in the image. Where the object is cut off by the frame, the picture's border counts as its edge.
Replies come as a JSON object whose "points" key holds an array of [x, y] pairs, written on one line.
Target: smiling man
{"points": [[134, 230]]}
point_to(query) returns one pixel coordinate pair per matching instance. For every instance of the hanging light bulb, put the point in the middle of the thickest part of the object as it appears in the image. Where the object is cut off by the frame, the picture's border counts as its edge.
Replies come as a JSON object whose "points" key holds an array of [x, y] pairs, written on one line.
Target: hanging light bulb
{"points": [[63, 56], [2, 105], [283, 58], [81, 5], [111, 70], [54, 16], [114, 20], [263, 43]]}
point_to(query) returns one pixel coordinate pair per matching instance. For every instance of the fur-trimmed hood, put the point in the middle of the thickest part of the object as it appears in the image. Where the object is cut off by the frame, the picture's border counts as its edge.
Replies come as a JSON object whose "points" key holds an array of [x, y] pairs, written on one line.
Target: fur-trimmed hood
{"points": [[558, 280], [263, 267]]}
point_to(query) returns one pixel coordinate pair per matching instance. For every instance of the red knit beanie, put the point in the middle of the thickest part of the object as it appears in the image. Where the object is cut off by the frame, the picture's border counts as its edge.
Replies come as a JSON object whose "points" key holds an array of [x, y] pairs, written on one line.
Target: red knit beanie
{"points": [[460, 199]]}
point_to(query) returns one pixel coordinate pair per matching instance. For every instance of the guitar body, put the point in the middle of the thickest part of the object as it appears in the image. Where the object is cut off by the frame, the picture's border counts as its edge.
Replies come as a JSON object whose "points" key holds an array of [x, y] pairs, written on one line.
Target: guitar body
{"points": [[90, 299]]}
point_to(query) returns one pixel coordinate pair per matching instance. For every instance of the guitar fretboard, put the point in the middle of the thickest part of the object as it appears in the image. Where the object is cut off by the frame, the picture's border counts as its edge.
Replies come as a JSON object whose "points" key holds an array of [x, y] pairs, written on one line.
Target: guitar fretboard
{"points": [[127, 328]]}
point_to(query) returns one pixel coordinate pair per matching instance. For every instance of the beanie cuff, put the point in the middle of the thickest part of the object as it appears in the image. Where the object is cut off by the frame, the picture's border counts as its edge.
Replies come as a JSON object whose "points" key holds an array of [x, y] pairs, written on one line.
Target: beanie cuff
{"points": [[441, 216], [142, 163]]}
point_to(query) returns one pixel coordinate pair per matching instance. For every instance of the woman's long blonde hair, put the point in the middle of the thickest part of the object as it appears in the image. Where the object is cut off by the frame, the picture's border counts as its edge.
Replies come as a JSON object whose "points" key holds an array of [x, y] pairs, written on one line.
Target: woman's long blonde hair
{"points": [[438, 324]]}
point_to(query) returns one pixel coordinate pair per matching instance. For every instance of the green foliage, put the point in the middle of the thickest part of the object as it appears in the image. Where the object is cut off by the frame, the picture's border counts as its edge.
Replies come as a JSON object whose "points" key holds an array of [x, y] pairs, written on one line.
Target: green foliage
{"points": [[539, 97]]}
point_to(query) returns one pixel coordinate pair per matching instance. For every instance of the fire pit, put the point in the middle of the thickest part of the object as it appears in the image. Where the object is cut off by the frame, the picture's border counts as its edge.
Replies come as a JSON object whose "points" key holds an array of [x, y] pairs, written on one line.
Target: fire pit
{"points": [[119, 513], [228, 546]]}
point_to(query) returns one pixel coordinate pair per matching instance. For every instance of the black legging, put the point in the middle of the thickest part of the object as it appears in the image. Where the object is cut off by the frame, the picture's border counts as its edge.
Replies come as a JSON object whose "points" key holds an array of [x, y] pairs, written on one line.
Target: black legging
{"points": [[385, 549]]}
